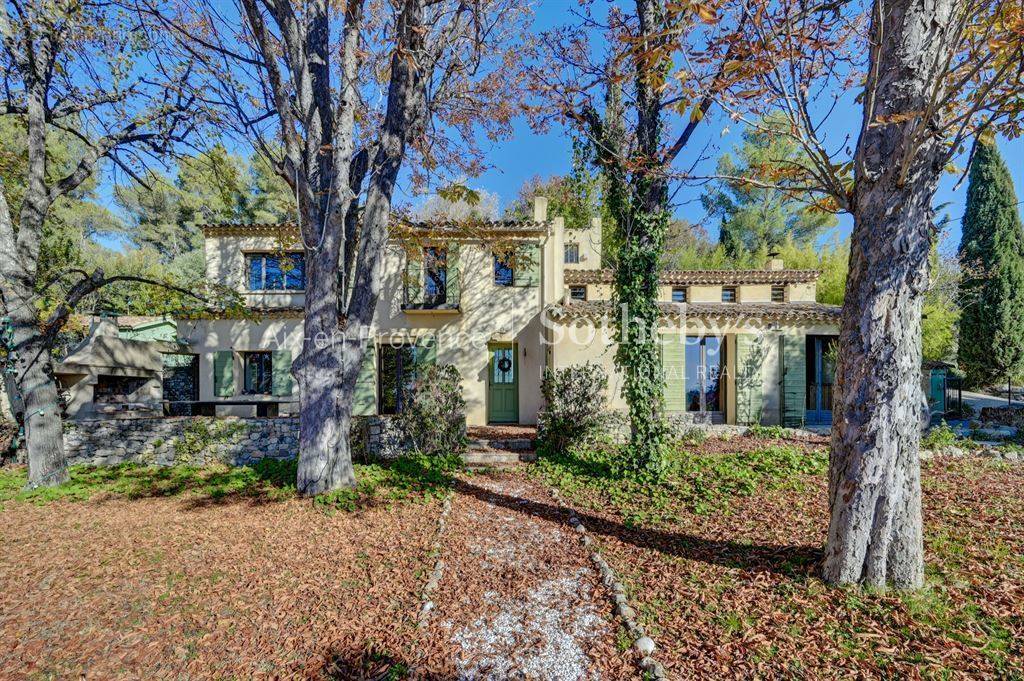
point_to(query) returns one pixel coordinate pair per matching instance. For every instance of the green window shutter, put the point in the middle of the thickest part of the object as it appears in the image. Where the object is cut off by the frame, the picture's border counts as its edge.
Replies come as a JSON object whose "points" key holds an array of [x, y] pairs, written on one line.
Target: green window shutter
{"points": [[364, 401], [414, 278], [224, 373], [281, 366], [673, 364], [426, 352], [452, 288], [527, 265], [750, 354], [794, 380]]}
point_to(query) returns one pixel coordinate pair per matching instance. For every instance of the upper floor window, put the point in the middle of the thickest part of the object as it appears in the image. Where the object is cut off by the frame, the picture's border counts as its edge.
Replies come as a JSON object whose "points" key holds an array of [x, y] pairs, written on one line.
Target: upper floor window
{"points": [[728, 294], [578, 292], [271, 272], [435, 276], [679, 294], [778, 294], [572, 254], [504, 275]]}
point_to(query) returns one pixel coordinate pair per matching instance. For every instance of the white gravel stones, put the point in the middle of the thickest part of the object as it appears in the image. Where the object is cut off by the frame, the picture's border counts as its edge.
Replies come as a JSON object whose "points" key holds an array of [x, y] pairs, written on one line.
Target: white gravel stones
{"points": [[641, 642], [434, 580], [543, 633], [557, 616]]}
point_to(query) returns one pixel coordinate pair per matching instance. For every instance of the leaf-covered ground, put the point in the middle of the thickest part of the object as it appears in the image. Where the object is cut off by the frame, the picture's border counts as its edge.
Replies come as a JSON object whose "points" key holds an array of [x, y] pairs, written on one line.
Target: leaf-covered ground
{"points": [[200, 573], [722, 564], [519, 597]]}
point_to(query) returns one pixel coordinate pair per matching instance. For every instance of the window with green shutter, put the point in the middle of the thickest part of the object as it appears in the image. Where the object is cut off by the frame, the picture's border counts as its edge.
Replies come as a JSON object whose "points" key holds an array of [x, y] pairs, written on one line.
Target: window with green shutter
{"points": [[364, 401], [413, 278], [224, 373], [281, 364], [750, 355], [794, 380], [526, 270], [425, 353], [673, 366], [453, 283], [258, 373]]}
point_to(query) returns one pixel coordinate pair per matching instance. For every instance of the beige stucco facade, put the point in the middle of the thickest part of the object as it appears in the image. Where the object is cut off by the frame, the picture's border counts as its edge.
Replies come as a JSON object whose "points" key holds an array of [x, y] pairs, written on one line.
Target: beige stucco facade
{"points": [[542, 317]]}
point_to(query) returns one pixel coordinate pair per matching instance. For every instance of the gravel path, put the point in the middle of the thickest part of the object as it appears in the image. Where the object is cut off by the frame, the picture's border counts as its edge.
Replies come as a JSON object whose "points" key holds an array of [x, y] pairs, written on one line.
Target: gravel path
{"points": [[519, 598]]}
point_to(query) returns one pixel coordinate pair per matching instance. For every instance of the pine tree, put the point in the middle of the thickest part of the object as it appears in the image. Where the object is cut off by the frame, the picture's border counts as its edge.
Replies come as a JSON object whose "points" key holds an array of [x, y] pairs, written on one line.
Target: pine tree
{"points": [[992, 288]]}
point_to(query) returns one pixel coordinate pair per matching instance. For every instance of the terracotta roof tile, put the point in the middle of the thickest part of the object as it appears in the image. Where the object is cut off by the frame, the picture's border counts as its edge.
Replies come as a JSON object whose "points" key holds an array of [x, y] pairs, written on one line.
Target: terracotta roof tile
{"points": [[711, 277], [290, 228], [819, 312]]}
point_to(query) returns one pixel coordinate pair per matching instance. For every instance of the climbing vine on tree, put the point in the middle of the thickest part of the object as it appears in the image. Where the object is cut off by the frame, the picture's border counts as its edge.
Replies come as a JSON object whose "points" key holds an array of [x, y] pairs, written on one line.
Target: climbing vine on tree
{"points": [[635, 288]]}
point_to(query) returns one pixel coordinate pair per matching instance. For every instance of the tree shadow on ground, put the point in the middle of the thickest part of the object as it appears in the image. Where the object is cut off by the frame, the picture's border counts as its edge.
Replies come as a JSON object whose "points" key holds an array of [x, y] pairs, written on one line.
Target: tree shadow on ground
{"points": [[267, 481], [795, 562], [371, 663]]}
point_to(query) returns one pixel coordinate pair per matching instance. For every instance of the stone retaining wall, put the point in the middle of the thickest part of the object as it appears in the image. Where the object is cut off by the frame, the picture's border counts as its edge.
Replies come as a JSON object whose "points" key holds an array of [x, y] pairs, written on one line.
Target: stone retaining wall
{"points": [[681, 426], [1003, 416], [202, 440]]}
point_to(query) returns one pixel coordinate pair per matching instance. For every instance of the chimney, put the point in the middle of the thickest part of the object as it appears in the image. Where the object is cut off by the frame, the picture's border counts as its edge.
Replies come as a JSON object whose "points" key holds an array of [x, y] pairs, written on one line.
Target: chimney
{"points": [[103, 326], [540, 209], [775, 262]]}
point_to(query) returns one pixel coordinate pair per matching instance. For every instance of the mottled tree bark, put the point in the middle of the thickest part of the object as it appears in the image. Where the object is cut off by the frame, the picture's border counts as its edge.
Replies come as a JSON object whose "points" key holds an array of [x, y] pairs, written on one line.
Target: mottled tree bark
{"points": [[328, 367], [35, 389], [875, 536]]}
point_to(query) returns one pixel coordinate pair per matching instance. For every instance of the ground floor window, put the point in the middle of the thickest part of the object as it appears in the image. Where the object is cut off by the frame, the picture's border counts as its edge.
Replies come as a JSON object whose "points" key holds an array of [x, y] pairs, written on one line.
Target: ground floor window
{"points": [[259, 373], [705, 373], [396, 377]]}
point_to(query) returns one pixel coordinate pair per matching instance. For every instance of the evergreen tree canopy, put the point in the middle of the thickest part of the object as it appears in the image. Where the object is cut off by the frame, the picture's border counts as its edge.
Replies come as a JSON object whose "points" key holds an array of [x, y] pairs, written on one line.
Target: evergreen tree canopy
{"points": [[992, 286], [214, 186], [755, 218]]}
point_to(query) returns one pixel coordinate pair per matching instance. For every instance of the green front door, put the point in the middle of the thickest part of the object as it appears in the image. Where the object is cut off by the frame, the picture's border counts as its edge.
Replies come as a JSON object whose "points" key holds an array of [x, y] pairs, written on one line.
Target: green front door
{"points": [[502, 384]]}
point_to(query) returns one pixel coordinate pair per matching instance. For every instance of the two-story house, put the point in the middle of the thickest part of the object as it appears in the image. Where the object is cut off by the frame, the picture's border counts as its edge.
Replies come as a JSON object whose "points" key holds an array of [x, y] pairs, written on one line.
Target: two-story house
{"points": [[501, 301]]}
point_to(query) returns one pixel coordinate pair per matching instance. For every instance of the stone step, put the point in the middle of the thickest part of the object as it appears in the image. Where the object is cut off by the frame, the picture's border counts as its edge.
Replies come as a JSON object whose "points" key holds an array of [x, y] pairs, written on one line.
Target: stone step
{"points": [[478, 458], [519, 444]]}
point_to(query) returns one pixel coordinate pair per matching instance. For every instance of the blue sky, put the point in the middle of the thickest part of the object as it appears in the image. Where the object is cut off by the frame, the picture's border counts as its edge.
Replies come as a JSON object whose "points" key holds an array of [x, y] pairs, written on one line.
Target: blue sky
{"points": [[528, 153]]}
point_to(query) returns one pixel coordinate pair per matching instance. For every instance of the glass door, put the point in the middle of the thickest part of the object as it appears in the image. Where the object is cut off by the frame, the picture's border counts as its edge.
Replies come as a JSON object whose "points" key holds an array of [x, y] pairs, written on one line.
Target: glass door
{"points": [[821, 371], [705, 370]]}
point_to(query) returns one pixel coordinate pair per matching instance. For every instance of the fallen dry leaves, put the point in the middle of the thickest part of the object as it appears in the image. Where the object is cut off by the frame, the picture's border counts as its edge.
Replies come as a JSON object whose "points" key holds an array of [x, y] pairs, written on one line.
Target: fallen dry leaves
{"points": [[735, 593], [519, 595], [189, 587]]}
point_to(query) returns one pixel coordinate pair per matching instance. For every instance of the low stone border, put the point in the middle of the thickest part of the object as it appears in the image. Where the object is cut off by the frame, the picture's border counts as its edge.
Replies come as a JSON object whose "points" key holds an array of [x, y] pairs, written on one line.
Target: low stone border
{"points": [[438, 572], [642, 643], [987, 450]]}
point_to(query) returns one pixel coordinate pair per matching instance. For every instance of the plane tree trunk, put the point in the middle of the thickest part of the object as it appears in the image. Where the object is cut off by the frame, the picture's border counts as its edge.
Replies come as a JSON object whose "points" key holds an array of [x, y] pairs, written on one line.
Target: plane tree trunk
{"points": [[875, 535], [33, 397]]}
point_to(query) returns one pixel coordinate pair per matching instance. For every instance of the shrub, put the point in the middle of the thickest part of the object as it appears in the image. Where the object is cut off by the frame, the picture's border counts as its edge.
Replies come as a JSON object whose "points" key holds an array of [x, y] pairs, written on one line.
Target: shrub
{"points": [[938, 437], [574, 400], [694, 435], [435, 421], [766, 432]]}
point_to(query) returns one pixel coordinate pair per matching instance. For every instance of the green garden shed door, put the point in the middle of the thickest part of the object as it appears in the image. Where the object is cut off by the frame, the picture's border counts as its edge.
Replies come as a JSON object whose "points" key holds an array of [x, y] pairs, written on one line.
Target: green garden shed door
{"points": [[502, 384]]}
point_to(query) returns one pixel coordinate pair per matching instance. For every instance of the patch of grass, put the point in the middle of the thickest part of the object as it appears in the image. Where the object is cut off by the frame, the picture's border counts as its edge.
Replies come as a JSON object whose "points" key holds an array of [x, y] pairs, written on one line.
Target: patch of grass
{"points": [[409, 478], [268, 480], [700, 483], [766, 432]]}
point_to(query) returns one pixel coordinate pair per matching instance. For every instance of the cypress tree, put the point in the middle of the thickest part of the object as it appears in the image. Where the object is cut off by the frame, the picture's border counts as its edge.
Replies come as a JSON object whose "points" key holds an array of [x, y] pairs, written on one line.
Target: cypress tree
{"points": [[992, 287]]}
